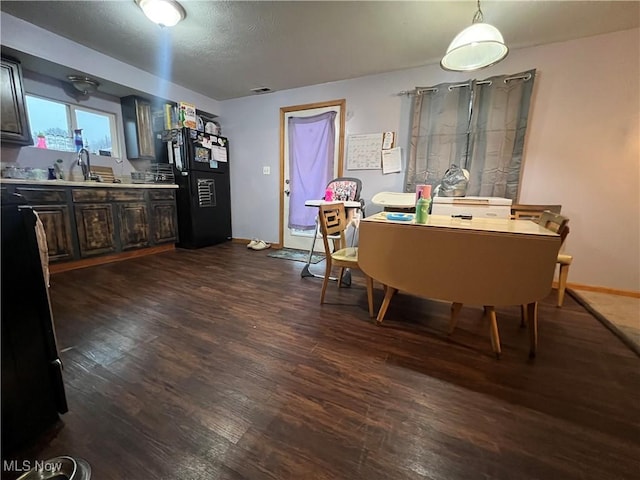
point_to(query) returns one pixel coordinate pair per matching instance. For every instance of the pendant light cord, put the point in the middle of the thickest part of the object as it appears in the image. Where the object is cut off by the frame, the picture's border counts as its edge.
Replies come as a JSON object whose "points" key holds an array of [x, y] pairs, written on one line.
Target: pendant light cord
{"points": [[478, 17]]}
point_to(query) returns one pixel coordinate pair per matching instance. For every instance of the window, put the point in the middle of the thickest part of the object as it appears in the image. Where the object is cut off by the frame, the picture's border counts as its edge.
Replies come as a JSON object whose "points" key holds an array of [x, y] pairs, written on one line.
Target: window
{"points": [[478, 125], [52, 125]]}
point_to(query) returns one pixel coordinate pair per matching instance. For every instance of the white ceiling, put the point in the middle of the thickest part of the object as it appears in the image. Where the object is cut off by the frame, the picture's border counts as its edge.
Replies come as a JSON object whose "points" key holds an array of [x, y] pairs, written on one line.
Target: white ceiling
{"points": [[224, 49]]}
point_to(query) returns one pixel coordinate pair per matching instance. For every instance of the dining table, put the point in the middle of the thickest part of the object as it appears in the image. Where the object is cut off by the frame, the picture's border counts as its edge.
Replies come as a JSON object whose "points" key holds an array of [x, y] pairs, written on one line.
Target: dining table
{"points": [[477, 261]]}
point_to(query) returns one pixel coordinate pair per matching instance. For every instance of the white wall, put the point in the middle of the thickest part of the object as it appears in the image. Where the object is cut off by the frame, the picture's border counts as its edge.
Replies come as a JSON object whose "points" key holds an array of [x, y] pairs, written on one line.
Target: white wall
{"points": [[582, 147]]}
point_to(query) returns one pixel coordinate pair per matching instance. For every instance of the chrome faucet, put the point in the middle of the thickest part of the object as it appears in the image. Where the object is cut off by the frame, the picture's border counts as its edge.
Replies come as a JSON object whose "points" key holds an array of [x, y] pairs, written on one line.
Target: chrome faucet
{"points": [[85, 165]]}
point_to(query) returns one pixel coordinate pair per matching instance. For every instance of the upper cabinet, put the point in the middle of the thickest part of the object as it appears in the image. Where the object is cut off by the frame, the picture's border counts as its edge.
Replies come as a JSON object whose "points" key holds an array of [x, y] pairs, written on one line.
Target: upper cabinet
{"points": [[138, 128], [13, 119]]}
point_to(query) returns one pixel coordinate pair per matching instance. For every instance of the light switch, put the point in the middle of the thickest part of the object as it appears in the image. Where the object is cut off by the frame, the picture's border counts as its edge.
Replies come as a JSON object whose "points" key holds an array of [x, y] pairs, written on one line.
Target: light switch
{"points": [[266, 170]]}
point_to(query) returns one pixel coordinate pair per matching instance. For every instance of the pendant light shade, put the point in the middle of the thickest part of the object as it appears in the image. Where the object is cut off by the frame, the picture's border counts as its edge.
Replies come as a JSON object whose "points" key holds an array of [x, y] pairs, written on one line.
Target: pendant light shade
{"points": [[477, 46], [84, 85]]}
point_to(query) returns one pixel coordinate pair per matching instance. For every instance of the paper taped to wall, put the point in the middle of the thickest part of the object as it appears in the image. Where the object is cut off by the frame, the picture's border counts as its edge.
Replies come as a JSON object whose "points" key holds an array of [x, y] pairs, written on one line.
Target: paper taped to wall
{"points": [[392, 160]]}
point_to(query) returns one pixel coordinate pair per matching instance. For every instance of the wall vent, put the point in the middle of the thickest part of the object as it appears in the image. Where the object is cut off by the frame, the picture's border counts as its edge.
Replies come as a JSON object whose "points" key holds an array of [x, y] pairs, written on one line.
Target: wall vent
{"points": [[260, 90]]}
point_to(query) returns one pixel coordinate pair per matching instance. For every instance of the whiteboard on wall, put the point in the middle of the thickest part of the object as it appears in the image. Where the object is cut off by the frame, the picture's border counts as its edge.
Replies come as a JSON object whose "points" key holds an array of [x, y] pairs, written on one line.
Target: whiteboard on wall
{"points": [[364, 151]]}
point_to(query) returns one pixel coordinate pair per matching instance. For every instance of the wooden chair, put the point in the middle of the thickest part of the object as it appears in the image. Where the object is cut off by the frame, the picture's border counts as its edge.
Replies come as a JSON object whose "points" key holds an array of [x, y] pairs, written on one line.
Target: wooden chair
{"points": [[559, 224], [532, 212], [333, 223], [342, 189]]}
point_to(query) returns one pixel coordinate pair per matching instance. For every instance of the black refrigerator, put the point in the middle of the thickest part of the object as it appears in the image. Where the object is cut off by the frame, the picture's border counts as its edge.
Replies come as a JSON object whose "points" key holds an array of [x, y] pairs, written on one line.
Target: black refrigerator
{"points": [[201, 165]]}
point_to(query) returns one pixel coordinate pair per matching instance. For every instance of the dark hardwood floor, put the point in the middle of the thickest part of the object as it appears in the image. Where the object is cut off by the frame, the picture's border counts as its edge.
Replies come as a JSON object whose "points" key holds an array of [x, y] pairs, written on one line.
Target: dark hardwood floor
{"points": [[220, 363]]}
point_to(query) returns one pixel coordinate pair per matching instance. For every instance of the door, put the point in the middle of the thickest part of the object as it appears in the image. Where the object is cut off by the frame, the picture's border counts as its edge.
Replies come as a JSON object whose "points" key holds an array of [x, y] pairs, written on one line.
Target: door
{"points": [[294, 237]]}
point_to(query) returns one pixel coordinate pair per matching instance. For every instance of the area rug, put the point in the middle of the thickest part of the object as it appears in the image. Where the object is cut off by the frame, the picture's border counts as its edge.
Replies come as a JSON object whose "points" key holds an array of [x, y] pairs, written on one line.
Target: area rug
{"points": [[619, 314], [295, 255]]}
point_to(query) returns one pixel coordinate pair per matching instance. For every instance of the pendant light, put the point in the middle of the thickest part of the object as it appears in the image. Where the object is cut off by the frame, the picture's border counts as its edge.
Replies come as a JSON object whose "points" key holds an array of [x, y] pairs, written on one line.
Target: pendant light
{"points": [[165, 13], [477, 46]]}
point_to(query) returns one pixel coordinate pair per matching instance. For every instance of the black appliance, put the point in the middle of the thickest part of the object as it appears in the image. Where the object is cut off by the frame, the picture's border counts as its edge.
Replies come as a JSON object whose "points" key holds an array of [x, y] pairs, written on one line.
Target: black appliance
{"points": [[201, 165], [32, 387]]}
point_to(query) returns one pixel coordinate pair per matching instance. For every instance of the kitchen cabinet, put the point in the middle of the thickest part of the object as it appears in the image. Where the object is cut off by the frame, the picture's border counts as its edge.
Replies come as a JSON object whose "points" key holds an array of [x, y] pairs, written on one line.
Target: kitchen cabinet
{"points": [[130, 207], [51, 205], [86, 221], [134, 226], [164, 216], [138, 128], [56, 221], [95, 229], [14, 123]]}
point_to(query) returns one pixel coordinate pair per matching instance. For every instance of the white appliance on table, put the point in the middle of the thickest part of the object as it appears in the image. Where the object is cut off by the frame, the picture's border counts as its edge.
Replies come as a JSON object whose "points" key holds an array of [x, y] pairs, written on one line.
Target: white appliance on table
{"points": [[477, 207]]}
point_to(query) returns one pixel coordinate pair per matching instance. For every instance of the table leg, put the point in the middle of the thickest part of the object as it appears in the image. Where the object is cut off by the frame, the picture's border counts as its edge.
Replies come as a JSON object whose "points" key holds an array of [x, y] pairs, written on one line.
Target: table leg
{"points": [[389, 292], [493, 327], [532, 319], [370, 294], [453, 320]]}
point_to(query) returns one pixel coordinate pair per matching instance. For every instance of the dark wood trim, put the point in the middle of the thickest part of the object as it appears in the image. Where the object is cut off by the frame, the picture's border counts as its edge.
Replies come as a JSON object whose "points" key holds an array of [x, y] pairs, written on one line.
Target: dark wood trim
{"points": [[116, 257]]}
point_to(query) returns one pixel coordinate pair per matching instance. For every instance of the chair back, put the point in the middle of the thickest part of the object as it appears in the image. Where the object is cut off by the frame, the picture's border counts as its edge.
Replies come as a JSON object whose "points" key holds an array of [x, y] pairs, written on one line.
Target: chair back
{"points": [[532, 212], [556, 223], [333, 222], [345, 188]]}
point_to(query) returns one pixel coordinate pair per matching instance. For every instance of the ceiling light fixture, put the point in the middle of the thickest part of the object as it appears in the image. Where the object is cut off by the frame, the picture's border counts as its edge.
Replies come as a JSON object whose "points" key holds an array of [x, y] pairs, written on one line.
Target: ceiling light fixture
{"points": [[85, 85], [165, 13], [477, 46]]}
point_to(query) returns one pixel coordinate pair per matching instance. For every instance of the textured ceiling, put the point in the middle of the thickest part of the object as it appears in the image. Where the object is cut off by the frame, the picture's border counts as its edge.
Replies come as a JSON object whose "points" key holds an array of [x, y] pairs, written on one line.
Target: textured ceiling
{"points": [[224, 49]]}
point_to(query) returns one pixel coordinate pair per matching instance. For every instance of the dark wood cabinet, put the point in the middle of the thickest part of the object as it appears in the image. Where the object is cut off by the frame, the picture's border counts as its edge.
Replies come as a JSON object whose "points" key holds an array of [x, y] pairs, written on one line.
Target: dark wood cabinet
{"points": [[165, 223], [164, 216], [134, 225], [82, 223], [95, 228], [57, 226], [138, 128], [14, 123], [51, 205]]}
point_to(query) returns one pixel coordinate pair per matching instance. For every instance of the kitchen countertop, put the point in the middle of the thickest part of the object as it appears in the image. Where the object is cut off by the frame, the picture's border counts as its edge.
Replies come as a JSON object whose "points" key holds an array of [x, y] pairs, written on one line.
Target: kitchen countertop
{"points": [[68, 183]]}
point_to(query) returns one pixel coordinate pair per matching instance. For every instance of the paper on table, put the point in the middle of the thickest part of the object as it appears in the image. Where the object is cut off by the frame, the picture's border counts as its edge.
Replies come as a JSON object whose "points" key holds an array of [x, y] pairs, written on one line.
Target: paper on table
{"points": [[392, 160]]}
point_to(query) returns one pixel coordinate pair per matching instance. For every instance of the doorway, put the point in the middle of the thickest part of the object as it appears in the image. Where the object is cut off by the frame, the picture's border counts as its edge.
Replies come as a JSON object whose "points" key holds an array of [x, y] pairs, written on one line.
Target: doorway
{"points": [[295, 237]]}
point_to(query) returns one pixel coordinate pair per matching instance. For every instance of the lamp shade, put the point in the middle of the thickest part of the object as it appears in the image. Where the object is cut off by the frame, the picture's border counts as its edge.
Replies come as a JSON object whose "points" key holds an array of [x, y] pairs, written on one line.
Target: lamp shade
{"points": [[84, 85], [477, 46], [165, 13]]}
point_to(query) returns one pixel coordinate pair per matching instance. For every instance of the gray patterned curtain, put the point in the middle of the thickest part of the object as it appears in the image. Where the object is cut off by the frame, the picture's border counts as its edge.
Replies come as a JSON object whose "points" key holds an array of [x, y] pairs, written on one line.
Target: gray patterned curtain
{"points": [[498, 125], [439, 124], [477, 125]]}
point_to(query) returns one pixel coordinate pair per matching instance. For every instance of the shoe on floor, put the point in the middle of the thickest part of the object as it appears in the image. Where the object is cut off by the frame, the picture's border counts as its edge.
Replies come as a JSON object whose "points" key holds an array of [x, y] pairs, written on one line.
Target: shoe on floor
{"points": [[253, 243], [261, 245]]}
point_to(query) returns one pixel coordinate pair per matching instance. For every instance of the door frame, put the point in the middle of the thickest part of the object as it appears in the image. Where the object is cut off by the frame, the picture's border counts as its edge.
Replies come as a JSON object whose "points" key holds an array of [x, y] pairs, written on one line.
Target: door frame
{"points": [[342, 103]]}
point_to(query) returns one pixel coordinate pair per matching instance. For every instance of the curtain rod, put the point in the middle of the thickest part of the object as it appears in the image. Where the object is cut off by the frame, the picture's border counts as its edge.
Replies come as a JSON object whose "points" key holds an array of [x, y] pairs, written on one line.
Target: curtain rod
{"points": [[420, 91]]}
